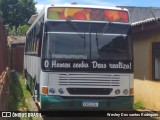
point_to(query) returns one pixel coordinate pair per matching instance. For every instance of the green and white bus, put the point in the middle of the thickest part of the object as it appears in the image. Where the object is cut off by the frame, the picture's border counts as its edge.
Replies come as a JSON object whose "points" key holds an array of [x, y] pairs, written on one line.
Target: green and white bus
{"points": [[80, 57]]}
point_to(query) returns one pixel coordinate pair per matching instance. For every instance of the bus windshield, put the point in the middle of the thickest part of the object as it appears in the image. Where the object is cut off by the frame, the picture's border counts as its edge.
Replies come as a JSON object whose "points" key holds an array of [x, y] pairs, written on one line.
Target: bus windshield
{"points": [[85, 42]]}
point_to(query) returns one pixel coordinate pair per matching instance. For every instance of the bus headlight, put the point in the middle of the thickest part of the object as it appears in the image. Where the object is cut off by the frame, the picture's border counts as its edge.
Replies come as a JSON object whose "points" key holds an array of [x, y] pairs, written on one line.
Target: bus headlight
{"points": [[125, 92], [52, 90], [61, 90], [117, 91]]}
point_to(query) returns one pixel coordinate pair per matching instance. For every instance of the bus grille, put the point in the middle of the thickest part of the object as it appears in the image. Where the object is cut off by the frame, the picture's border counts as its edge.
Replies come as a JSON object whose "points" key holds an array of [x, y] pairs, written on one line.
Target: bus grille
{"points": [[90, 91], [102, 80]]}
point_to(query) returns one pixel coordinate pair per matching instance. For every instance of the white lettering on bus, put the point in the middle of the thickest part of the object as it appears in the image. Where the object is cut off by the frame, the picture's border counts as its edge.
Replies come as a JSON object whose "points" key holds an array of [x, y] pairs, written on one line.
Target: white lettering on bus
{"points": [[60, 65], [120, 65], [46, 63], [98, 65], [80, 65]]}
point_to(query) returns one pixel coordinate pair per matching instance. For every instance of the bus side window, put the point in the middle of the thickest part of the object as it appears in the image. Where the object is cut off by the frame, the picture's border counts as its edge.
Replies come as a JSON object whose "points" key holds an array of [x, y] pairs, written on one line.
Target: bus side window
{"points": [[39, 39], [26, 44], [34, 50], [37, 46], [32, 46], [28, 47]]}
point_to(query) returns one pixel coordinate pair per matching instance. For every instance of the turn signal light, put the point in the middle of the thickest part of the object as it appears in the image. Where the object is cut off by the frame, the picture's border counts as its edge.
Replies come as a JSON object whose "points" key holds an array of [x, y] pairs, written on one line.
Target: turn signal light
{"points": [[131, 91], [45, 90]]}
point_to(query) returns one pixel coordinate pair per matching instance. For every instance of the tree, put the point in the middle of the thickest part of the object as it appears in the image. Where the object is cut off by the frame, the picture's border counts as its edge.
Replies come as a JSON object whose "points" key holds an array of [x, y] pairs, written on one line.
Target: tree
{"points": [[21, 30], [17, 12], [13, 31]]}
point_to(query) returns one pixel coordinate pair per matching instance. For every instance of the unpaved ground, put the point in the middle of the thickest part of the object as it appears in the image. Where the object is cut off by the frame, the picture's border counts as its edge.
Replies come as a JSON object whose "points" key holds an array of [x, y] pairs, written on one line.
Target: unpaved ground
{"points": [[32, 105]]}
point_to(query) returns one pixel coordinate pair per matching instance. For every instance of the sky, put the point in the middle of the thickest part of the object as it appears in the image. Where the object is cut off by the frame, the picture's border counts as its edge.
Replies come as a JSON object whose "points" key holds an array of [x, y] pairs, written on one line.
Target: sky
{"points": [[139, 3]]}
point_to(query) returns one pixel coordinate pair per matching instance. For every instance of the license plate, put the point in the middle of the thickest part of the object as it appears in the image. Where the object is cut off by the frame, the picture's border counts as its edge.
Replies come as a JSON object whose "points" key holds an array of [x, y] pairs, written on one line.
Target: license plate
{"points": [[90, 104]]}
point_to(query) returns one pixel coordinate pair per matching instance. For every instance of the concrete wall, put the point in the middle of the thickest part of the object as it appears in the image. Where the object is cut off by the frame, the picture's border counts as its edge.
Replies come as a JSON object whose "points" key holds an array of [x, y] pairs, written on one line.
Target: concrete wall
{"points": [[141, 58], [148, 93], [142, 48]]}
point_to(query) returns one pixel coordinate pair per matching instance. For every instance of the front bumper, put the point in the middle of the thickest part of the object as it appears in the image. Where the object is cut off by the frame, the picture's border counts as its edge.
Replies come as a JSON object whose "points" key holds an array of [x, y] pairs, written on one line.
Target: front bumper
{"points": [[58, 103]]}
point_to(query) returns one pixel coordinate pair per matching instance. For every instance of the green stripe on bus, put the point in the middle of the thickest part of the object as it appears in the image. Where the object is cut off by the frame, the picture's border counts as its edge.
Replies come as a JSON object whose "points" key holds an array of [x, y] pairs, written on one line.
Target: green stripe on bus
{"points": [[60, 103]]}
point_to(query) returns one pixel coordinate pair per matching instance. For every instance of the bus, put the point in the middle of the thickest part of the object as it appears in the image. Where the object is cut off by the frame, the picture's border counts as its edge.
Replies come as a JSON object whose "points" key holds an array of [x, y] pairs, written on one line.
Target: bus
{"points": [[80, 57]]}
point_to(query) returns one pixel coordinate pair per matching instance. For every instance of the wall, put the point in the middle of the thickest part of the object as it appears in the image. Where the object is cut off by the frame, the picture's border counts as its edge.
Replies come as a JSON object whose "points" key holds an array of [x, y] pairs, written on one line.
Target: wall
{"points": [[145, 88], [3, 69], [147, 92], [141, 55], [142, 47], [4, 90], [3, 49], [17, 56]]}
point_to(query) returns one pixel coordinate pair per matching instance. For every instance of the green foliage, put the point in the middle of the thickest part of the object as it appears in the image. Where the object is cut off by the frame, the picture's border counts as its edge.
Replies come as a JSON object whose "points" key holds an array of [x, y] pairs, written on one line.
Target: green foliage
{"points": [[13, 31], [138, 105], [21, 30], [17, 12], [18, 93], [19, 97]]}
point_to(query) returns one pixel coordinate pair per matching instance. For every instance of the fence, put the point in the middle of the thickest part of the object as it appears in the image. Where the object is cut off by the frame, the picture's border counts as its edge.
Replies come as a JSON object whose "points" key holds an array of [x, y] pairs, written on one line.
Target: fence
{"points": [[3, 49], [4, 79], [4, 91], [17, 55]]}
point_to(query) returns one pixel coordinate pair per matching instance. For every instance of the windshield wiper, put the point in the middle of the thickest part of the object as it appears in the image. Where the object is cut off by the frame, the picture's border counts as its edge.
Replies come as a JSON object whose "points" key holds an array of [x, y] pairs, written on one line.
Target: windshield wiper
{"points": [[74, 28], [104, 29], [101, 33]]}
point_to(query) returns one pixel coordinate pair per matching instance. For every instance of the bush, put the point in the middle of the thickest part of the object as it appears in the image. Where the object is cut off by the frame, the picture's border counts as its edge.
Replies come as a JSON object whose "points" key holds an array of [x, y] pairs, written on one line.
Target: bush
{"points": [[20, 31], [138, 105]]}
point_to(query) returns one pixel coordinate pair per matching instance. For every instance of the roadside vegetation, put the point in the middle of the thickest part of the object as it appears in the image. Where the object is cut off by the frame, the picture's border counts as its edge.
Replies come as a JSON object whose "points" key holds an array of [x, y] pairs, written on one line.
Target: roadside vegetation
{"points": [[18, 94], [20, 98], [138, 105]]}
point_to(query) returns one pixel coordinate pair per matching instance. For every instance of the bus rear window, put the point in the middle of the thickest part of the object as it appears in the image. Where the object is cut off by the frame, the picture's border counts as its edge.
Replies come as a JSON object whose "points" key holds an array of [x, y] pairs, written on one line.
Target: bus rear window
{"points": [[88, 14]]}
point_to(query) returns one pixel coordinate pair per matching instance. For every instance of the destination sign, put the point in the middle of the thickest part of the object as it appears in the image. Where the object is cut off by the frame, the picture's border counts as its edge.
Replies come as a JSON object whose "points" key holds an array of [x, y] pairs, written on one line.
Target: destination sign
{"points": [[87, 65]]}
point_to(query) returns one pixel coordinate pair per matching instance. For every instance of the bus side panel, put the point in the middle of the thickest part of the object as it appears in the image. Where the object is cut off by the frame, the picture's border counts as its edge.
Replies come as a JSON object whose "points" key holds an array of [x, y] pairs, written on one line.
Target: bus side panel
{"points": [[32, 68]]}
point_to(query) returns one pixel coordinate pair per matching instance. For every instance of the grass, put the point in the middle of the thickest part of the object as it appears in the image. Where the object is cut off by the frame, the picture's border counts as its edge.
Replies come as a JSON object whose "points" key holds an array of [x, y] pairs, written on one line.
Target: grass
{"points": [[138, 105], [18, 93], [20, 98]]}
